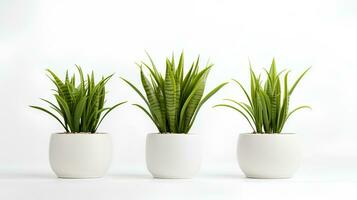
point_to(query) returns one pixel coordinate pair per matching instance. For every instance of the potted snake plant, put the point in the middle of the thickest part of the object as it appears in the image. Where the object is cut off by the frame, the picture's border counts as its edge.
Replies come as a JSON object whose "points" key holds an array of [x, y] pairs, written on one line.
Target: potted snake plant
{"points": [[268, 152], [80, 151], [173, 101]]}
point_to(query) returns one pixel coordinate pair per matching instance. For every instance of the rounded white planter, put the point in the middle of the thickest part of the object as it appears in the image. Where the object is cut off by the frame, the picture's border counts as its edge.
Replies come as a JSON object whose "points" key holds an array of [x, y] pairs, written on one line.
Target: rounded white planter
{"points": [[80, 155], [269, 155], [173, 155]]}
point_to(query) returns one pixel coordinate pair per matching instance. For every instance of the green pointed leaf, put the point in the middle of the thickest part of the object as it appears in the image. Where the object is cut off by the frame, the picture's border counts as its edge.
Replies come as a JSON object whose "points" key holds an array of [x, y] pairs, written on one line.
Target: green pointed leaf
{"points": [[108, 111], [203, 101], [268, 107], [237, 109], [53, 115], [297, 81]]}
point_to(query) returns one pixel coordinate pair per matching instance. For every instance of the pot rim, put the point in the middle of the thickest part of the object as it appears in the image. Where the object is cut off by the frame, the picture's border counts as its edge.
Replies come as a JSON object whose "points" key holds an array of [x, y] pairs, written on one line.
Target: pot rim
{"points": [[81, 133], [268, 134], [174, 134]]}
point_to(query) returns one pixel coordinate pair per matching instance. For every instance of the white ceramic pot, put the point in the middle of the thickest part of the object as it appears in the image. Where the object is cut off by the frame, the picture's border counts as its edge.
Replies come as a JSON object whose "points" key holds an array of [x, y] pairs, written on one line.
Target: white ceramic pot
{"points": [[173, 155], [269, 155], [80, 155]]}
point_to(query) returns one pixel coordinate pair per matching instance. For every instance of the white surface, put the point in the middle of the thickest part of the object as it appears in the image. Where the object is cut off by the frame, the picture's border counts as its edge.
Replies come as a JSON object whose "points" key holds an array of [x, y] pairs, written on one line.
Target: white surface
{"points": [[173, 155], [109, 36], [321, 179], [80, 155], [269, 155]]}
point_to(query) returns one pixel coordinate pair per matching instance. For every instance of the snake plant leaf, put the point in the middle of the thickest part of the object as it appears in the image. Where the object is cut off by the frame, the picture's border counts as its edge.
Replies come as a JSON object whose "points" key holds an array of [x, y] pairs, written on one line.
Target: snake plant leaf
{"points": [[245, 107], [107, 112], [189, 106], [193, 102], [203, 101], [179, 74], [151, 98], [53, 106], [298, 80], [285, 106], [64, 106], [154, 70], [296, 109], [136, 90], [81, 106], [260, 110], [62, 88], [157, 77], [268, 100], [276, 101], [187, 79], [245, 92], [173, 101], [272, 71], [236, 109], [148, 114], [170, 96], [78, 113], [50, 113], [81, 76], [101, 97], [265, 110]]}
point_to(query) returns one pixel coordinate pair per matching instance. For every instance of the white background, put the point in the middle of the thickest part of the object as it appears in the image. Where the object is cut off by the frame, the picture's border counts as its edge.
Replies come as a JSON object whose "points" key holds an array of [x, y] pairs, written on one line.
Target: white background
{"points": [[109, 36]]}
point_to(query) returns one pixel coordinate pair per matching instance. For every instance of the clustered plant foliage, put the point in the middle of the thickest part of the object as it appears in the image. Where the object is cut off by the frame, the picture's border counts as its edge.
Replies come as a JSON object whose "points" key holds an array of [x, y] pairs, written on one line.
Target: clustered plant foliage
{"points": [[173, 99], [81, 106], [268, 102]]}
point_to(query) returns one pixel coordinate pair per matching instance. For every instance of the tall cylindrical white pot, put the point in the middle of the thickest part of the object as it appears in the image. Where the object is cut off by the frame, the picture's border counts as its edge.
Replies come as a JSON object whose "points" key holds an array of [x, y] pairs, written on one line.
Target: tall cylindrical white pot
{"points": [[173, 155], [80, 155], [269, 155]]}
